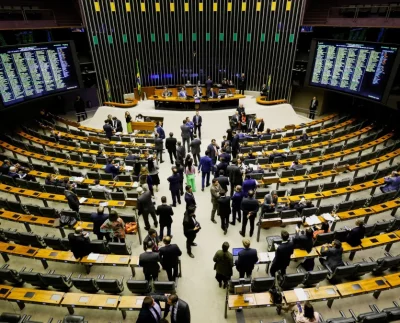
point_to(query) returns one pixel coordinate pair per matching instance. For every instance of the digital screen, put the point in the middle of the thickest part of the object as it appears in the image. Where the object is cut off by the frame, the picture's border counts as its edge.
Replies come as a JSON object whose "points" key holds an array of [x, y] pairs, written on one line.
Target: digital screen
{"points": [[32, 71], [356, 68]]}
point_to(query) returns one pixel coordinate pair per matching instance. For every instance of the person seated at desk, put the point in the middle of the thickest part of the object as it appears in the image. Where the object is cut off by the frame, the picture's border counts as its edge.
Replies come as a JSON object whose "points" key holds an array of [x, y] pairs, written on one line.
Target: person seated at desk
{"points": [[182, 93], [296, 165], [392, 183], [274, 154], [270, 202], [264, 90], [332, 255], [79, 243], [166, 93], [100, 188], [212, 94], [356, 234], [324, 228], [306, 314], [139, 118], [197, 93], [112, 168]]}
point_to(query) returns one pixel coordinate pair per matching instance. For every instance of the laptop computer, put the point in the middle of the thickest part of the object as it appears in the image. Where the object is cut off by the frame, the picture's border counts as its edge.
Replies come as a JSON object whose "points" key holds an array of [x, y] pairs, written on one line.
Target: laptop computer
{"points": [[235, 253]]}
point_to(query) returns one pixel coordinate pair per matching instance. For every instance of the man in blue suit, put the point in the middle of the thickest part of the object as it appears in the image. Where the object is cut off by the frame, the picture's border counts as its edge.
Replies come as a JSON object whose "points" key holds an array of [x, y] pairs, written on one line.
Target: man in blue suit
{"points": [[174, 185], [112, 168], [205, 167], [160, 130]]}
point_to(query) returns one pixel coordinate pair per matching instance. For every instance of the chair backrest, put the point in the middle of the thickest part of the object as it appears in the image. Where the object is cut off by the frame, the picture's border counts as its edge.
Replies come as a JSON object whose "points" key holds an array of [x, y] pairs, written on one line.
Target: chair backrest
{"points": [[99, 246], [164, 287], [262, 284], [141, 287], [323, 238], [110, 286], [291, 280], [314, 277], [86, 285], [119, 248]]}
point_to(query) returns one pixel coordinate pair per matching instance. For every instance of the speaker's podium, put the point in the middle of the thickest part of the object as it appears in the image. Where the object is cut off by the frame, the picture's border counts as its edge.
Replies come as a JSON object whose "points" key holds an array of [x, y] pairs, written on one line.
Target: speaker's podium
{"points": [[145, 126]]}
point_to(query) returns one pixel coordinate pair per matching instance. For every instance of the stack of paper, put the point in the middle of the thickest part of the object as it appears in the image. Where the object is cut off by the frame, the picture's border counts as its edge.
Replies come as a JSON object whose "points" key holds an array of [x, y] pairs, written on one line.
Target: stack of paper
{"points": [[82, 200], [312, 220]]}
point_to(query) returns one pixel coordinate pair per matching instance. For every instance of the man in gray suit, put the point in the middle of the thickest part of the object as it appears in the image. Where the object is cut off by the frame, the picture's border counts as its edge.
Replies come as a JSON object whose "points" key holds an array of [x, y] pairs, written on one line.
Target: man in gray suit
{"points": [[185, 134], [195, 145]]}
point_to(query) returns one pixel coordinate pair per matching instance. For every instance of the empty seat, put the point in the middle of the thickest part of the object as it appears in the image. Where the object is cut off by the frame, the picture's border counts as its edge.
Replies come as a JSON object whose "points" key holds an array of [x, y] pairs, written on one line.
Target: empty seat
{"points": [[86, 285], [119, 248], [111, 286], [59, 282], [262, 284], [141, 287], [290, 281], [315, 277], [164, 287]]}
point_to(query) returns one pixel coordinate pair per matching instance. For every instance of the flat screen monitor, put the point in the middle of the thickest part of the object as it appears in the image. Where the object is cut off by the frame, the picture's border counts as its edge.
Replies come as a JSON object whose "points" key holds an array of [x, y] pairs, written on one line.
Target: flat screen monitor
{"points": [[37, 70], [357, 68], [242, 289]]}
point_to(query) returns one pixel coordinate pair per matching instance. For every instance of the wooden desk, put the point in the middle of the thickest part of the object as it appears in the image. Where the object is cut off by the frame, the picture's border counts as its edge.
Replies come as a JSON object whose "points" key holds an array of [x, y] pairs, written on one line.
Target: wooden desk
{"points": [[324, 293], [94, 301], [106, 260], [372, 285], [5, 290], [34, 296]]}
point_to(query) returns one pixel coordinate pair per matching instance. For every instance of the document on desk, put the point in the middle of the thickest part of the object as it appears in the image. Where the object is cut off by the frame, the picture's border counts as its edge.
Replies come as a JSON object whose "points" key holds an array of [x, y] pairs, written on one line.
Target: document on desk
{"points": [[300, 294], [82, 200], [93, 256], [312, 220]]}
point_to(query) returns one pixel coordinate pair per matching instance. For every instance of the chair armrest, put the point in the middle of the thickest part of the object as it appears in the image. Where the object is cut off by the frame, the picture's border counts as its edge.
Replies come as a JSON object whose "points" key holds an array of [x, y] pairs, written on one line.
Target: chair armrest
{"points": [[353, 314]]}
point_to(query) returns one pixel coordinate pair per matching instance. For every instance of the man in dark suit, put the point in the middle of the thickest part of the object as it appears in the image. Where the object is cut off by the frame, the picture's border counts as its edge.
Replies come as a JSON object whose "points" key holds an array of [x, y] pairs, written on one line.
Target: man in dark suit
{"points": [[170, 145], [213, 150], [197, 121], [174, 186], [247, 258], [242, 84], [148, 260], [313, 107], [250, 208], [145, 207], [165, 213], [251, 124], [224, 210], [190, 229], [189, 197], [195, 148], [159, 147], [108, 129], [223, 180], [98, 218], [179, 309], [80, 243], [151, 236], [332, 255], [180, 153], [282, 255], [150, 311], [234, 174], [237, 198], [205, 167], [117, 124], [185, 134], [169, 258]]}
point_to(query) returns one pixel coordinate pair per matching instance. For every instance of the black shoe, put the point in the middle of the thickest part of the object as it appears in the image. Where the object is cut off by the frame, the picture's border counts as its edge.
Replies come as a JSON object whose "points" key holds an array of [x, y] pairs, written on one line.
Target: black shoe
{"points": [[191, 255], [233, 223], [242, 234], [213, 221], [194, 244]]}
